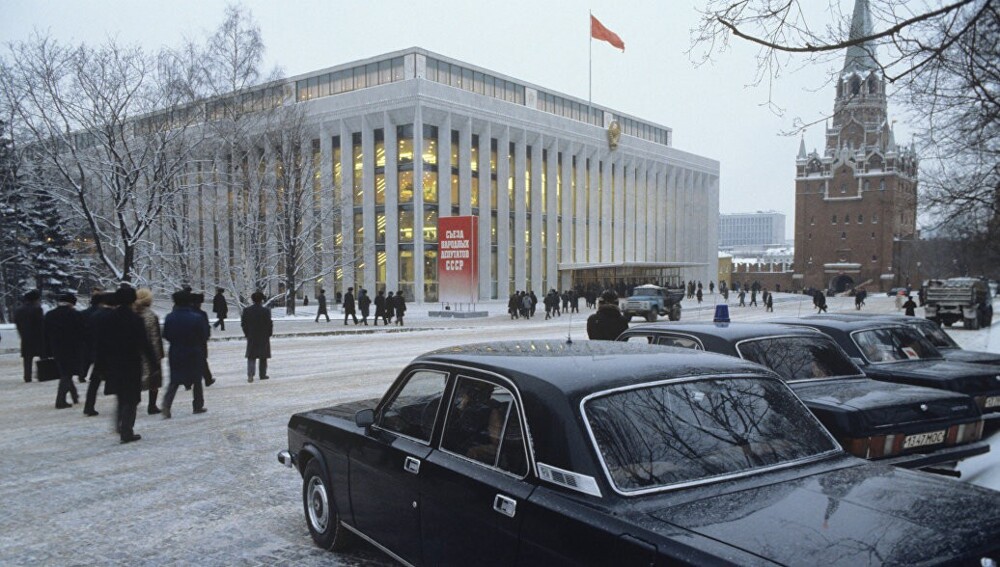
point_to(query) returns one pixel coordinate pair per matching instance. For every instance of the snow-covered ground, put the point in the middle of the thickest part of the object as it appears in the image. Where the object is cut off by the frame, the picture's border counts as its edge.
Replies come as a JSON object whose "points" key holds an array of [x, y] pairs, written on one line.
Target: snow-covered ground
{"points": [[210, 483]]}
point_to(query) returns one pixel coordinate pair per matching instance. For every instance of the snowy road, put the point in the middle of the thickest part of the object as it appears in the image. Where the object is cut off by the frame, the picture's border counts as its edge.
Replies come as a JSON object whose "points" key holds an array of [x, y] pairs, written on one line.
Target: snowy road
{"points": [[207, 489]]}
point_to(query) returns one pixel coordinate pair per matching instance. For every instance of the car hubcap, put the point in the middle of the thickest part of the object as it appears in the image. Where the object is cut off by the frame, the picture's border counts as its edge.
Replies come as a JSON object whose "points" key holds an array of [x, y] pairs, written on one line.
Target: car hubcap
{"points": [[319, 509]]}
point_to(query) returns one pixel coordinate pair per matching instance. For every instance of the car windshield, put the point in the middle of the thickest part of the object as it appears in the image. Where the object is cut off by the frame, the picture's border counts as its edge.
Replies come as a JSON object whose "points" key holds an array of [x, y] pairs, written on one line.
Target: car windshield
{"points": [[935, 335], [799, 358], [665, 434], [892, 344]]}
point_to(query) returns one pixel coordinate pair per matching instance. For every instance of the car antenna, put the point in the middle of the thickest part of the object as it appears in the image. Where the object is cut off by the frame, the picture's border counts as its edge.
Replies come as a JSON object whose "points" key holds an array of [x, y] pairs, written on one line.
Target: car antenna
{"points": [[569, 330]]}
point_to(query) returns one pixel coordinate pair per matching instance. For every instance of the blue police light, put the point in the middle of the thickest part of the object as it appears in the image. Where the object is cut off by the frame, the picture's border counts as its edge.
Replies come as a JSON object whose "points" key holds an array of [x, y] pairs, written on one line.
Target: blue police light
{"points": [[721, 313]]}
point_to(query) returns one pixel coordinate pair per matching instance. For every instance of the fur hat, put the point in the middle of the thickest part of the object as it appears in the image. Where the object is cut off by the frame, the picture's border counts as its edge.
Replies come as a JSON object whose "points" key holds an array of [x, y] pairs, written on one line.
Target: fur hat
{"points": [[125, 295], [143, 297], [32, 296], [609, 297], [67, 298]]}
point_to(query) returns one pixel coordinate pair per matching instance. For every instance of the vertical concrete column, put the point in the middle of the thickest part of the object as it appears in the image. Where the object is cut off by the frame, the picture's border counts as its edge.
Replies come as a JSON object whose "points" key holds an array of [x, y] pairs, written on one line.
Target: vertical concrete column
{"points": [[444, 169], [348, 253], [504, 275], [642, 208], [553, 211], [369, 123], [520, 213], [580, 212], [465, 166], [713, 227], [485, 195], [326, 209], [537, 258], [391, 205], [607, 208], [594, 210], [418, 202], [629, 227]]}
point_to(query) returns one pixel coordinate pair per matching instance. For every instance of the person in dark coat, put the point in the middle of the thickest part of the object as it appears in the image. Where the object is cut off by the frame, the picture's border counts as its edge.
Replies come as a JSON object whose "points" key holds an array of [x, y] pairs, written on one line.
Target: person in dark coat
{"points": [[819, 299], [390, 308], [769, 302], [87, 361], [258, 328], [400, 307], [186, 329], [105, 303], [121, 345], [64, 341], [30, 327], [380, 307], [321, 306], [196, 300], [364, 304], [349, 305], [607, 322], [910, 306], [220, 308]]}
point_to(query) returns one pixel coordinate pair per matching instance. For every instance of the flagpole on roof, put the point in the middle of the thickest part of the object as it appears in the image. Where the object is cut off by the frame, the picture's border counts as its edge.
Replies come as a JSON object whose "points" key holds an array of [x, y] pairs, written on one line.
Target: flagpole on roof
{"points": [[590, 66]]}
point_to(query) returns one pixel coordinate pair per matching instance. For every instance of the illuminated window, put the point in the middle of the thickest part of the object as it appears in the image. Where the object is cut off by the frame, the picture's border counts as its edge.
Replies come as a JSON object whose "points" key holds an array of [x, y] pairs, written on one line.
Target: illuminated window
{"points": [[358, 167], [405, 225]]}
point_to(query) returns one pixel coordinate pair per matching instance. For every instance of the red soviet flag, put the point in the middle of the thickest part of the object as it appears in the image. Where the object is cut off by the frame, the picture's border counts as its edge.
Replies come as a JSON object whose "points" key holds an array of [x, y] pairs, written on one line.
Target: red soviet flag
{"points": [[598, 31]]}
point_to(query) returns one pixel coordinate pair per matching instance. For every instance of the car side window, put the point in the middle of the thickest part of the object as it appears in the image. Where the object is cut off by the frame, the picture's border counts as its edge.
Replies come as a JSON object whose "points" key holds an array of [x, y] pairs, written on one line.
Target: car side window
{"points": [[683, 342], [414, 409], [643, 339], [483, 426]]}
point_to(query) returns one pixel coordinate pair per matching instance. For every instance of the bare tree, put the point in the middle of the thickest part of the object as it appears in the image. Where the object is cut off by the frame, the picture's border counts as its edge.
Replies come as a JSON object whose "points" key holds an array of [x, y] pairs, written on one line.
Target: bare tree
{"points": [[105, 123], [943, 58]]}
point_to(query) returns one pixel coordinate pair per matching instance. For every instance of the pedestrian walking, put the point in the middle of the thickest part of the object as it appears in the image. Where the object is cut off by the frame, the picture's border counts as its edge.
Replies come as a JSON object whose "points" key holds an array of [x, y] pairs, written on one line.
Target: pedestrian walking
{"points": [[121, 346], [753, 297], [769, 302], [30, 327], [513, 305], [711, 287], [699, 295], [607, 322], [349, 306], [379, 307], [534, 302], [152, 371], [221, 309], [574, 301], [196, 300], [819, 300], [390, 308], [321, 306], [400, 307], [187, 332], [105, 304], [258, 328], [910, 306], [65, 335], [364, 304], [743, 296]]}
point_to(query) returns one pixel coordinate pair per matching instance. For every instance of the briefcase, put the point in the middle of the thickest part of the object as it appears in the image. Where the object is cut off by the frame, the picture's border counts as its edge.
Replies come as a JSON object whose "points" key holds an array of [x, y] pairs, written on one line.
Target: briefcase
{"points": [[46, 369]]}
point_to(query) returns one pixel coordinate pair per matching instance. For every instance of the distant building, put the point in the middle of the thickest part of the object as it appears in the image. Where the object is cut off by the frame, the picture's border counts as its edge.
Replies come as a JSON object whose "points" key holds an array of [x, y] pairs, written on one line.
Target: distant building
{"points": [[857, 201], [760, 229]]}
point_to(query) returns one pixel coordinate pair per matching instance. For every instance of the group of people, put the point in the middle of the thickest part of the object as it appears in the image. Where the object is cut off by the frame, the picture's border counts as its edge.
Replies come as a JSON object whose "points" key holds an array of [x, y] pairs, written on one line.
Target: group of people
{"points": [[118, 341], [557, 303], [386, 306], [766, 297]]}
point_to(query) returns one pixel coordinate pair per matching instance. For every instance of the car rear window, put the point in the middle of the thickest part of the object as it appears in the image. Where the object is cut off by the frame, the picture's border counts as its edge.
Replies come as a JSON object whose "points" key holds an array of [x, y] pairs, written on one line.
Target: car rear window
{"points": [[892, 344], [799, 358], [935, 335], [673, 433]]}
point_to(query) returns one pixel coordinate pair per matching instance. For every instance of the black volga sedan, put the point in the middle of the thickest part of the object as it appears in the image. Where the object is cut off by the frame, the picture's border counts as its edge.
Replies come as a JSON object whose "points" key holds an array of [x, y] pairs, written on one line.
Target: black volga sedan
{"points": [[609, 453], [893, 352], [933, 332], [911, 425]]}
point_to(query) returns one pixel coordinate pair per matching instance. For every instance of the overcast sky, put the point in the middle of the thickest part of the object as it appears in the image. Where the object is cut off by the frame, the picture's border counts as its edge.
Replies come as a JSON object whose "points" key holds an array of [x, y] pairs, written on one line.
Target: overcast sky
{"points": [[712, 109]]}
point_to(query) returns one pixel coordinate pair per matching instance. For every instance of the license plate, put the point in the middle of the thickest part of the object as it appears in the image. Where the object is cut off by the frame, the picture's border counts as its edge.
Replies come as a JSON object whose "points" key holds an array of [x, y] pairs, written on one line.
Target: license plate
{"points": [[921, 439], [992, 402]]}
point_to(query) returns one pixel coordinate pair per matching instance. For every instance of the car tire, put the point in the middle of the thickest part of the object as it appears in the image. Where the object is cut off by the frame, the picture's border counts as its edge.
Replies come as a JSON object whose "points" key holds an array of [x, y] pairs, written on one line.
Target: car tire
{"points": [[971, 324], [322, 515], [651, 316]]}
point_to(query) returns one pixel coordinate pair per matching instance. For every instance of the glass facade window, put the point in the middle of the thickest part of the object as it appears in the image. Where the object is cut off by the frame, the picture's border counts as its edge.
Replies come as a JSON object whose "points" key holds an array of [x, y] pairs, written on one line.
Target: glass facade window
{"points": [[404, 144], [405, 225], [510, 177], [544, 182], [455, 136], [405, 181], [493, 174], [346, 80], [357, 167], [474, 165], [338, 195], [406, 267], [430, 158], [430, 225], [527, 180], [430, 275], [380, 228], [379, 167], [380, 268], [359, 247]]}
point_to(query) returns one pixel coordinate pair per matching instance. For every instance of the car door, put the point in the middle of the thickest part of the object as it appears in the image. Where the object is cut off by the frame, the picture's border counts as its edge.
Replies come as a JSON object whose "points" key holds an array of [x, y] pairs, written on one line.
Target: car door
{"points": [[386, 467], [474, 485]]}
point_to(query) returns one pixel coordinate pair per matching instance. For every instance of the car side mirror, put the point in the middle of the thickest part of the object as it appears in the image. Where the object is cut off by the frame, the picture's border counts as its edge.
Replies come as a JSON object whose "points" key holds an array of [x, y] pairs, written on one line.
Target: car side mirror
{"points": [[364, 418]]}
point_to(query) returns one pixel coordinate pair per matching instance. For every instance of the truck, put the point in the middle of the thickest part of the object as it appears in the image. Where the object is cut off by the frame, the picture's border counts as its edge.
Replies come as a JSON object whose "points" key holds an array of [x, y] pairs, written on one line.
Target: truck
{"points": [[960, 299], [650, 301]]}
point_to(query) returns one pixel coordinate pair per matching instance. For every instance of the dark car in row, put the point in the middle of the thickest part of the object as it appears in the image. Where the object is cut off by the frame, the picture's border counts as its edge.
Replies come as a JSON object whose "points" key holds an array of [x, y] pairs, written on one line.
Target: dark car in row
{"points": [[898, 353], [912, 426], [933, 332], [610, 453]]}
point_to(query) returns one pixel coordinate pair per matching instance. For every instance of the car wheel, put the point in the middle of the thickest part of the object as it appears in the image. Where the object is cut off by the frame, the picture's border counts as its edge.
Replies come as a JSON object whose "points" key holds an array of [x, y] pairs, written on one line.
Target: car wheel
{"points": [[651, 316], [322, 515], [948, 322], [971, 324]]}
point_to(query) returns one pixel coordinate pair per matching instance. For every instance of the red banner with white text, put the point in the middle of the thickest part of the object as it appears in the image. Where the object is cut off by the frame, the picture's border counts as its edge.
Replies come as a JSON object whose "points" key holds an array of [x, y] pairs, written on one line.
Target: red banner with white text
{"points": [[458, 266]]}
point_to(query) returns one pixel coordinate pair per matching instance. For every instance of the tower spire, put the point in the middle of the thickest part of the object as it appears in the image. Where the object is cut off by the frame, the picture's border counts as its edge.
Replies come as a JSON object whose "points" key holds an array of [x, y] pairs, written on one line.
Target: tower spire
{"points": [[861, 57], [802, 147]]}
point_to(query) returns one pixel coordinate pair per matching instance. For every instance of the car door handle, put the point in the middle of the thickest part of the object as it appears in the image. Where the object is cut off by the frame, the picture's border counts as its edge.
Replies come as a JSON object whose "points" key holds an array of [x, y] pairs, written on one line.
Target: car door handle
{"points": [[505, 505], [411, 465]]}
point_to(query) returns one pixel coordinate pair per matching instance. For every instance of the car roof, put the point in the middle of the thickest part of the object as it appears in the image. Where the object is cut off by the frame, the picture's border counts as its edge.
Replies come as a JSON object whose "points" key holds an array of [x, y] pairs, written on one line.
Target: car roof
{"points": [[583, 367], [732, 332], [844, 323]]}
